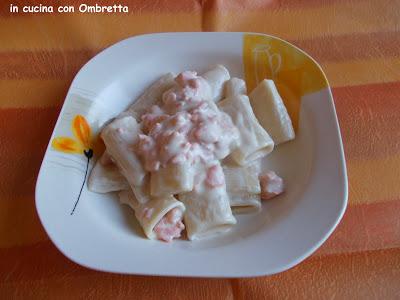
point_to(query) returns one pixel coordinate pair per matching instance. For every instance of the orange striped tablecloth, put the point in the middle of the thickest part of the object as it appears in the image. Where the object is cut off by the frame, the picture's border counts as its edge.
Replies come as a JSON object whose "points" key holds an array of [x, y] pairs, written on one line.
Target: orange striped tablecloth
{"points": [[356, 42]]}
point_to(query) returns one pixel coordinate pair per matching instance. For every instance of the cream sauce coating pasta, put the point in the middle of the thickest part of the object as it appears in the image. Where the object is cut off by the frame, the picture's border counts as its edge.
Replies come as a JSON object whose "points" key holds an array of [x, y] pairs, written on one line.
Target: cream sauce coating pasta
{"points": [[171, 144], [188, 127]]}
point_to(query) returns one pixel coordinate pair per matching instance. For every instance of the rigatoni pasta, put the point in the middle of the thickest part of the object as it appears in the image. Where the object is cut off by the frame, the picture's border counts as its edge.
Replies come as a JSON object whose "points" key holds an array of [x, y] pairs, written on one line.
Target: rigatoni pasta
{"points": [[235, 86], [105, 176], [151, 96], [208, 210], [173, 179], [271, 112], [187, 154], [150, 214], [255, 142], [243, 187], [216, 78], [120, 137]]}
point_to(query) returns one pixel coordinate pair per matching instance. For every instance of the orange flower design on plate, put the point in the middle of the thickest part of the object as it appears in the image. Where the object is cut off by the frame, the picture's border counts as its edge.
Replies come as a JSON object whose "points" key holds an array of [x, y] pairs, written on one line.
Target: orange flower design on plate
{"points": [[82, 144]]}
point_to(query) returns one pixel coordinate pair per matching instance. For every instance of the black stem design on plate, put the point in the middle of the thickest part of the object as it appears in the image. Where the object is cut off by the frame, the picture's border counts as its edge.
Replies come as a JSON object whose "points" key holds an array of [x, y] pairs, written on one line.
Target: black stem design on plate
{"points": [[89, 155]]}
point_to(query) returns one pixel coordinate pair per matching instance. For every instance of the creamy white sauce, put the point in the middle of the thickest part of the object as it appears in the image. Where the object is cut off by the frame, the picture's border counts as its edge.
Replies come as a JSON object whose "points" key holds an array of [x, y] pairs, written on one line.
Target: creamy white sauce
{"points": [[187, 127], [215, 176]]}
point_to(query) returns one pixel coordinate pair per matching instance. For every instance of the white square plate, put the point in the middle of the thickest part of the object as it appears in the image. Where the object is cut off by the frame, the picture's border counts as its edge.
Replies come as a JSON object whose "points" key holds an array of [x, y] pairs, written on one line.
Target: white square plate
{"points": [[104, 235]]}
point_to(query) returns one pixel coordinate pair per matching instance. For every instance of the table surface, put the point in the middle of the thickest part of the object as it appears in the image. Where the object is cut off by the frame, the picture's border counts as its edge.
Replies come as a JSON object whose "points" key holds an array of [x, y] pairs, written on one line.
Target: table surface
{"points": [[356, 42]]}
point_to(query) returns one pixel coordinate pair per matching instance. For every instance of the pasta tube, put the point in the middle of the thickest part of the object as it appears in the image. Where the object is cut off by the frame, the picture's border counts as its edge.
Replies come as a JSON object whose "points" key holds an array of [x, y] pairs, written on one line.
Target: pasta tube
{"points": [[271, 112], [151, 96], [207, 206], [105, 176], [216, 78], [173, 179], [150, 214], [120, 137], [235, 86], [255, 142], [243, 187]]}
